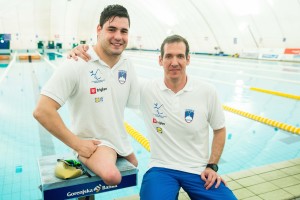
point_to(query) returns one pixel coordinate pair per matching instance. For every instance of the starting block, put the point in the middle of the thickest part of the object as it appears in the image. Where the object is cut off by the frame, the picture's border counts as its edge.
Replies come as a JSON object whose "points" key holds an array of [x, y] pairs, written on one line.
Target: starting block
{"points": [[55, 188]]}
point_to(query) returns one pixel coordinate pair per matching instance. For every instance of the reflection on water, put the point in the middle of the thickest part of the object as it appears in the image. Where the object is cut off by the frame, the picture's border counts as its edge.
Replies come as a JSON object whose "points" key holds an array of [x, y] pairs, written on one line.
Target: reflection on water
{"points": [[52, 56]]}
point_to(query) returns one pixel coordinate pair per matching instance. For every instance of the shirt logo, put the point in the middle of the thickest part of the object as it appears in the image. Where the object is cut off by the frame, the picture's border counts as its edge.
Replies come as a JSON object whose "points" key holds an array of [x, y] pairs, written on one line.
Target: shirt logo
{"points": [[96, 76], [98, 99], [189, 115], [154, 121], [159, 130], [122, 76], [158, 110], [93, 90]]}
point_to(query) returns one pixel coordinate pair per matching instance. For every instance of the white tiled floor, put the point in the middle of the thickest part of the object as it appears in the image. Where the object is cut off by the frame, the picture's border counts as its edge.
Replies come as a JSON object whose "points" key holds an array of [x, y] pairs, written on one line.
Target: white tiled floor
{"points": [[277, 181]]}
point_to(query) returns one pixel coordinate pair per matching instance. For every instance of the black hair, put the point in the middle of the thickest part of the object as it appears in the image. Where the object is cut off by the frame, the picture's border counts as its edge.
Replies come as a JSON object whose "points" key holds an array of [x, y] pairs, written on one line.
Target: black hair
{"points": [[112, 11]]}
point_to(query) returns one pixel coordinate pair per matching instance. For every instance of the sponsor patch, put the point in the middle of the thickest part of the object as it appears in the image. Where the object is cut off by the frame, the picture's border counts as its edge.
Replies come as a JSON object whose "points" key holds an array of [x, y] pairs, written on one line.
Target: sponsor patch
{"points": [[159, 130], [154, 121], [93, 90], [98, 99]]}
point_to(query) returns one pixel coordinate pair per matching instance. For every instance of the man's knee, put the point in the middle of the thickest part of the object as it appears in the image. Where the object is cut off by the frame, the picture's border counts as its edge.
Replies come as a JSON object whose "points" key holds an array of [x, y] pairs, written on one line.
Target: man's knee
{"points": [[132, 159], [111, 177]]}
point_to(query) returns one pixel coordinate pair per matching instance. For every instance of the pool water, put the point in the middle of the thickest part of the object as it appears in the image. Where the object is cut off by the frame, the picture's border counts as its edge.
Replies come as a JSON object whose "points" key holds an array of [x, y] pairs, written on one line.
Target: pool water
{"points": [[248, 144]]}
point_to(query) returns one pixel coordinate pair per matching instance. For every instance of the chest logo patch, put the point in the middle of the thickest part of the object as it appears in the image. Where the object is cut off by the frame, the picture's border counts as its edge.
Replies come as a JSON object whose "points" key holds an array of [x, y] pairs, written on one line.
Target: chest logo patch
{"points": [[189, 115], [158, 110], [122, 75], [96, 76]]}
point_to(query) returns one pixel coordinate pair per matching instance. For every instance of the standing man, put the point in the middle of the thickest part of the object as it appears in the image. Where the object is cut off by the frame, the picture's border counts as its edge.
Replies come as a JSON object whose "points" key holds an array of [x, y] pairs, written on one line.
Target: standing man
{"points": [[97, 92], [178, 112]]}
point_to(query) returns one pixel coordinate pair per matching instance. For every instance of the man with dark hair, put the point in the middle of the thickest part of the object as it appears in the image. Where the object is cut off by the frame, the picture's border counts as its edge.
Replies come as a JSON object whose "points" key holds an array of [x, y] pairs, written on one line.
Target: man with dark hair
{"points": [[97, 92], [178, 112], [112, 11]]}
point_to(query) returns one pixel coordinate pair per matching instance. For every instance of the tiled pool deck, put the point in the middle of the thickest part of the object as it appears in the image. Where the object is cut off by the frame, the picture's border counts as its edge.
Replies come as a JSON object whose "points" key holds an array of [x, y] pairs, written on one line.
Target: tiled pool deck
{"points": [[271, 182]]}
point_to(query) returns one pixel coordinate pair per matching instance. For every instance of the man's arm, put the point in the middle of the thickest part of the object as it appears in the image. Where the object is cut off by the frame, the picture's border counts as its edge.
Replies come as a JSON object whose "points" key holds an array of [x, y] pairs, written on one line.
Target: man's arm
{"points": [[209, 175], [46, 114], [217, 145], [79, 51]]}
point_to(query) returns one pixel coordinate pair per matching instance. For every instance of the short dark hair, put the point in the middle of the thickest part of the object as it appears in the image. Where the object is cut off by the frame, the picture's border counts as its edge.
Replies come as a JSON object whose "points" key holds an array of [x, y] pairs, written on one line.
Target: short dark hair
{"points": [[112, 11], [173, 39]]}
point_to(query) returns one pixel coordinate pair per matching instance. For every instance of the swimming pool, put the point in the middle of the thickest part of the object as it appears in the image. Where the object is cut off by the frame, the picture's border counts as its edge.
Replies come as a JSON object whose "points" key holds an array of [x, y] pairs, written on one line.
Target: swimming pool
{"points": [[249, 143]]}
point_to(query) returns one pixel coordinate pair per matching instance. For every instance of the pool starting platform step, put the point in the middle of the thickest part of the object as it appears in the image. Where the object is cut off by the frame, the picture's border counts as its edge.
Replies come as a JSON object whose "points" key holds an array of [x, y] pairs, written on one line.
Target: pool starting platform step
{"points": [[55, 188]]}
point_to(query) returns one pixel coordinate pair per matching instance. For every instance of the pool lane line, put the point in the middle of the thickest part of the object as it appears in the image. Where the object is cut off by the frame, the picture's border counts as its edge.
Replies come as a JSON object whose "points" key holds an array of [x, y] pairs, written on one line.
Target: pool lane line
{"points": [[241, 73], [265, 68], [47, 146], [290, 96], [270, 122], [281, 94], [8, 68], [137, 136]]}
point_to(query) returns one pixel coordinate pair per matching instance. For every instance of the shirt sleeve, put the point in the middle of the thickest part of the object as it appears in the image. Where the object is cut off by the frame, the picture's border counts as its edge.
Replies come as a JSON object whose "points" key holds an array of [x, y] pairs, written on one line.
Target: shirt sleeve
{"points": [[62, 83]]}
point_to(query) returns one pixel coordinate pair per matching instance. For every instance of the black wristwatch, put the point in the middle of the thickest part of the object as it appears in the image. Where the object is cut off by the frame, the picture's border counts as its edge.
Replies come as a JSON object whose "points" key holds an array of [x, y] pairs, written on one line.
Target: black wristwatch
{"points": [[212, 166]]}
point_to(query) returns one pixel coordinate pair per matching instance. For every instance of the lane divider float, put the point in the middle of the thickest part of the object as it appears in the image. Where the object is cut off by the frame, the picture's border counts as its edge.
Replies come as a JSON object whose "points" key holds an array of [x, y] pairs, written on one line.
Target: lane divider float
{"points": [[270, 122], [291, 96], [137, 136]]}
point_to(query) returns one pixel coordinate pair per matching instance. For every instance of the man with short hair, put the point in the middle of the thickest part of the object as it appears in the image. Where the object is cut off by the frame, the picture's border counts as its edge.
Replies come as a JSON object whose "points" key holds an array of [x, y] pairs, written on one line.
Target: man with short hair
{"points": [[97, 92], [178, 112]]}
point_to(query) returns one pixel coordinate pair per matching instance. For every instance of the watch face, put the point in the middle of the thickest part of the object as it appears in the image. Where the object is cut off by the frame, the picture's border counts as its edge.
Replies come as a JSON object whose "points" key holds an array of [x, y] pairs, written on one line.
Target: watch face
{"points": [[213, 167]]}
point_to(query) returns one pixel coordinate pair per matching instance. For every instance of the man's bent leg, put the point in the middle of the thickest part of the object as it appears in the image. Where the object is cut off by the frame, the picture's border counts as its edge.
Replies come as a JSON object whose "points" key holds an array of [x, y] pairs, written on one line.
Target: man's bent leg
{"points": [[103, 164], [159, 183], [132, 159], [194, 187]]}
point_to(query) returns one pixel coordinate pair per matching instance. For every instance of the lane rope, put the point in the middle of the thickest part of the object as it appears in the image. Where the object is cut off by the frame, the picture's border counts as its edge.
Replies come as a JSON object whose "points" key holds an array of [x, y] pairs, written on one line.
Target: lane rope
{"points": [[290, 96], [270, 122], [137, 136]]}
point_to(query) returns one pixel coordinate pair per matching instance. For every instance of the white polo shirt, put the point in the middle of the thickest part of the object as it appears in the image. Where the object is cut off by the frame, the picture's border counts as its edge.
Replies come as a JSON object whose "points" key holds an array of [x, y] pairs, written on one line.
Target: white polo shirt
{"points": [[97, 96], [178, 124]]}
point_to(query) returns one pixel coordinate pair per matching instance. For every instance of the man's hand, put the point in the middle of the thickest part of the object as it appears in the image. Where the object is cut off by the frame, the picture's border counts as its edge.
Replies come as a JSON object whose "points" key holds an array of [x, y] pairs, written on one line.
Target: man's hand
{"points": [[79, 51], [86, 148], [210, 177]]}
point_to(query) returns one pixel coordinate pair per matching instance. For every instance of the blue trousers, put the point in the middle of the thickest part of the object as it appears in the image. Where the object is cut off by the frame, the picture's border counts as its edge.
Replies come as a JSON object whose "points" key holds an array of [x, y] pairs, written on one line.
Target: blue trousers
{"points": [[164, 184]]}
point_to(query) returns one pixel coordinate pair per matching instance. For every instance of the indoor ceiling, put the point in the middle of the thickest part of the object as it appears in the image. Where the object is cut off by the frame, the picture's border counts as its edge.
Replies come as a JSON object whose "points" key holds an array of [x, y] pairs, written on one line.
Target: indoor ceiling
{"points": [[227, 24]]}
